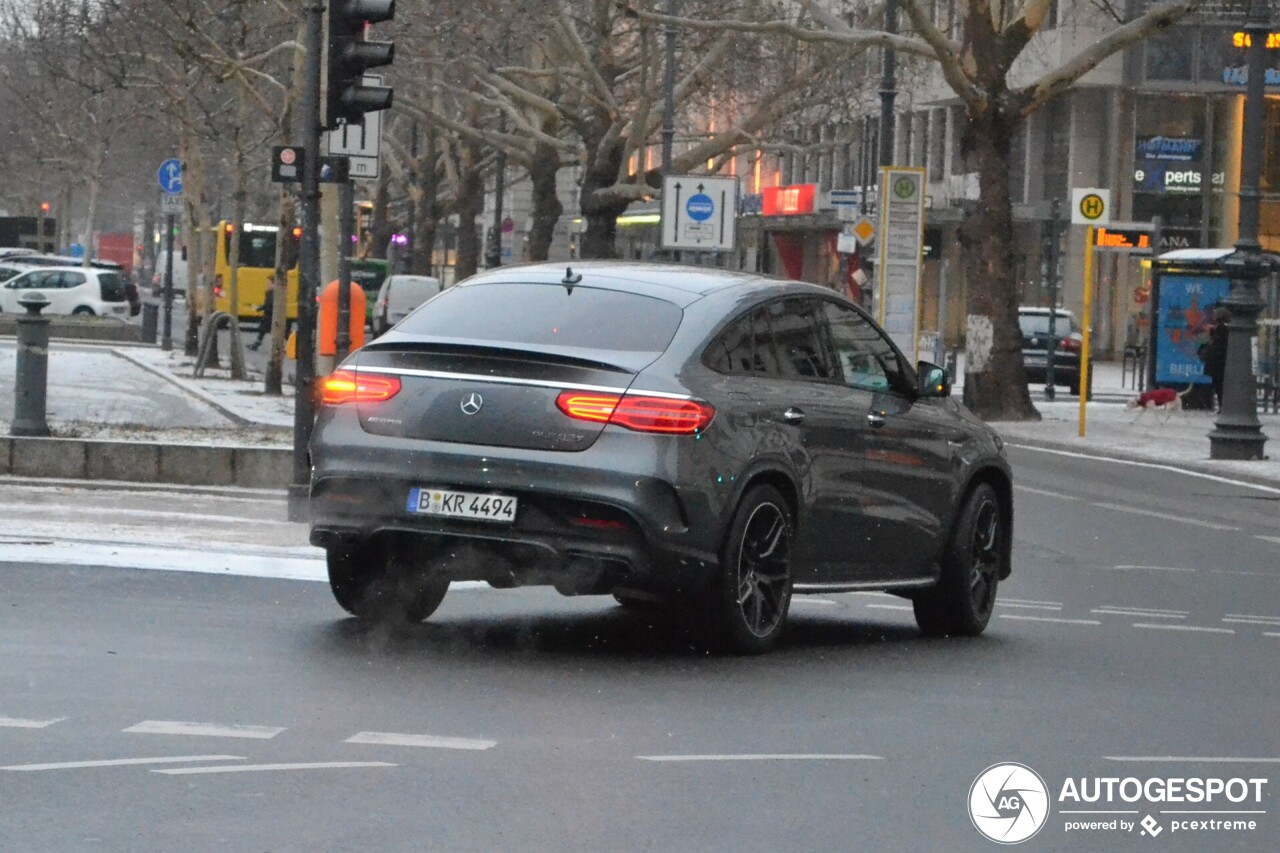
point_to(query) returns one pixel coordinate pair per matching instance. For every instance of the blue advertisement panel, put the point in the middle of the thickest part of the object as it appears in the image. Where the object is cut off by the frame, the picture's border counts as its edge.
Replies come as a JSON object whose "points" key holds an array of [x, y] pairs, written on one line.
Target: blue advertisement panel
{"points": [[1183, 324]]}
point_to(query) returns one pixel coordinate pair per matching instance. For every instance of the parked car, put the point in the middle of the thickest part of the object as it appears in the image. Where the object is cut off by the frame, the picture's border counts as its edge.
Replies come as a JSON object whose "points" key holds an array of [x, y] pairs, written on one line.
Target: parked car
{"points": [[1034, 323], [659, 433], [70, 290], [399, 295]]}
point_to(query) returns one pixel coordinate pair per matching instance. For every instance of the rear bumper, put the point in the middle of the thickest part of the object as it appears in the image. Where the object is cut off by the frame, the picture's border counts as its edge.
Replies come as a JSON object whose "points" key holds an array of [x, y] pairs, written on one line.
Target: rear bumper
{"points": [[586, 521]]}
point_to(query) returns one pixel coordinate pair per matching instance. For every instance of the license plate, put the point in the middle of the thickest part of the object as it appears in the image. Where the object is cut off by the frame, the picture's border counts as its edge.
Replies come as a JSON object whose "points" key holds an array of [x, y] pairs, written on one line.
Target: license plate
{"points": [[1034, 361], [470, 505], [119, 309]]}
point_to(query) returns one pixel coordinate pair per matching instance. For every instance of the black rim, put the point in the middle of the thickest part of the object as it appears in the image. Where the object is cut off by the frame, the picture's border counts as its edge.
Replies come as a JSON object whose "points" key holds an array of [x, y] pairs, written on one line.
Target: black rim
{"points": [[764, 569], [985, 554]]}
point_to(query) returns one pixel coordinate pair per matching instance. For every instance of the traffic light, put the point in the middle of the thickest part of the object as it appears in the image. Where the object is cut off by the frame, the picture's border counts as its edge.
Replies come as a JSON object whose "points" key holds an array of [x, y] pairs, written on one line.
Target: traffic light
{"points": [[350, 56]]}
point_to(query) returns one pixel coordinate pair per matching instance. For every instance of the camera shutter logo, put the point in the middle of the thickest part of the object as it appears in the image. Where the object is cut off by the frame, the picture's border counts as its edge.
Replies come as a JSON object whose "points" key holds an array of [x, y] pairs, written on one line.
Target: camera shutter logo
{"points": [[471, 403], [1008, 803]]}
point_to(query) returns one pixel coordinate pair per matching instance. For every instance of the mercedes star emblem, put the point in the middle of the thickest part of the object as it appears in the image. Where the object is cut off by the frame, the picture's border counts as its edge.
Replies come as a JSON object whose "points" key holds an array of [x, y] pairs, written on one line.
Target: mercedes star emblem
{"points": [[472, 403]]}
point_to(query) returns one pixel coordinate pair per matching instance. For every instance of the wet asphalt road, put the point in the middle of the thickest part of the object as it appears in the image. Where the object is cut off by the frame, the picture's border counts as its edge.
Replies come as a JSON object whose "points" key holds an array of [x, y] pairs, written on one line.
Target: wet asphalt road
{"points": [[1142, 624]]}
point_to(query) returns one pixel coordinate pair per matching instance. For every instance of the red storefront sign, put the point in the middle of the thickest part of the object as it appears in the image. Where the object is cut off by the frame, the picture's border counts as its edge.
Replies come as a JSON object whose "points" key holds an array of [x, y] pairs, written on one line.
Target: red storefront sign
{"points": [[789, 201]]}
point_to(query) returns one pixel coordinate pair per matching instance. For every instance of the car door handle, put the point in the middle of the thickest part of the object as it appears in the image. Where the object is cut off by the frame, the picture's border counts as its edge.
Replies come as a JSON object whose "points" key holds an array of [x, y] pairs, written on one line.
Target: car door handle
{"points": [[793, 415], [875, 420]]}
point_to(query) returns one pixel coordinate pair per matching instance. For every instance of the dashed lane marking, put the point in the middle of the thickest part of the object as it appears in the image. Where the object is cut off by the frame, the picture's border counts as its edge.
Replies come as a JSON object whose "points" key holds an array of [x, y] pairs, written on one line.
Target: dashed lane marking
{"points": [[168, 727], [817, 601], [889, 606], [430, 741], [1029, 601], [1195, 759], [1275, 539], [1135, 612], [13, 723], [1245, 620], [763, 757], [1271, 633], [1150, 569], [1190, 628], [1045, 493], [1275, 619], [258, 768], [1056, 619], [1166, 516], [122, 762], [1029, 606]]}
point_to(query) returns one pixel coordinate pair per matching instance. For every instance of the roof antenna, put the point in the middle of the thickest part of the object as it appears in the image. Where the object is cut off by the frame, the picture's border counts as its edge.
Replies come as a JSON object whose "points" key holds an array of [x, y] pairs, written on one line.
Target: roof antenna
{"points": [[570, 279]]}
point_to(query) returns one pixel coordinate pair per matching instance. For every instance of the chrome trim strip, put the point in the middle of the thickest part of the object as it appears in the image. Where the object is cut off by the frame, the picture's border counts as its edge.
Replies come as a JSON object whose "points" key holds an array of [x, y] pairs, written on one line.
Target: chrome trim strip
{"points": [[861, 586], [511, 380]]}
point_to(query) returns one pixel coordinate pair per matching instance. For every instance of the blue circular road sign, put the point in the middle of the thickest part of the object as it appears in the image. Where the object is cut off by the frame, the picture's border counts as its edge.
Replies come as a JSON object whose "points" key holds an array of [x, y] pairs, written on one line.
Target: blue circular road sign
{"points": [[169, 176], [700, 207]]}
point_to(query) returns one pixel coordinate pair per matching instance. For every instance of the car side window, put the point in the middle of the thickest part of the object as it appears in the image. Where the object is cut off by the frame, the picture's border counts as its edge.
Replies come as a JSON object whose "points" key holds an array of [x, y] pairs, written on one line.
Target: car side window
{"points": [[866, 358], [71, 279], [34, 281], [798, 335], [745, 347]]}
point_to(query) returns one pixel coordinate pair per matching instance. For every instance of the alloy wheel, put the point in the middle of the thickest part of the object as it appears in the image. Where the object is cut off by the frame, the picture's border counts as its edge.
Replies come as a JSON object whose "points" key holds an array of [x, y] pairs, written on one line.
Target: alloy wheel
{"points": [[764, 570]]}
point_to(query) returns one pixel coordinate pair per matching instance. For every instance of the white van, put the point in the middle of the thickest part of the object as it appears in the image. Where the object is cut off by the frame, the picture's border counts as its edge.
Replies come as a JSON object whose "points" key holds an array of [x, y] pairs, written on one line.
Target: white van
{"points": [[70, 290], [399, 295]]}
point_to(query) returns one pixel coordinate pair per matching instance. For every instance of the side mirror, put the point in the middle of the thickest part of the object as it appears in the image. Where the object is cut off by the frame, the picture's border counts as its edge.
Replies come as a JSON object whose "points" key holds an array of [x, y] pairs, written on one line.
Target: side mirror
{"points": [[932, 380]]}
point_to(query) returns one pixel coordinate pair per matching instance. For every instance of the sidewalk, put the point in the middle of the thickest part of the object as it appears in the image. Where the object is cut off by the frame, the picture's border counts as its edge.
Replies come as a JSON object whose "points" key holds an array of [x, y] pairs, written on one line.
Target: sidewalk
{"points": [[139, 393]]}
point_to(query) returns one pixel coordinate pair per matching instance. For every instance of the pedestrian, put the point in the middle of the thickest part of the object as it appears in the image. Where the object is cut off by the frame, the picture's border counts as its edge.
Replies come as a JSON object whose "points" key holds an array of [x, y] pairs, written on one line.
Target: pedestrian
{"points": [[268, 309], [1214, 353]]}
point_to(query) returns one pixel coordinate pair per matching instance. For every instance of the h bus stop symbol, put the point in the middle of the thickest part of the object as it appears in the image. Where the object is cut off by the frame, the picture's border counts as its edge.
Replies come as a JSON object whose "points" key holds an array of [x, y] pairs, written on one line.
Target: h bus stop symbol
{"points": [[1090, 206]]}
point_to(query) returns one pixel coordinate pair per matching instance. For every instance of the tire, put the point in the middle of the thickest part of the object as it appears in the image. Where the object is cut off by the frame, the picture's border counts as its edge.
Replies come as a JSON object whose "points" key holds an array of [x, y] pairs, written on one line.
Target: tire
{"points": [[961, 603], [369, 582], [83, 311], [750, 603]]}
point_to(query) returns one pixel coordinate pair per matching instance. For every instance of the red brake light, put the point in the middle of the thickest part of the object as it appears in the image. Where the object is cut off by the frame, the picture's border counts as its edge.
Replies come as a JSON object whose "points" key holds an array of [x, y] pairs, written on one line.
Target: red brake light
{"points": [[347, 386], [633, 411], [1069, 344]]}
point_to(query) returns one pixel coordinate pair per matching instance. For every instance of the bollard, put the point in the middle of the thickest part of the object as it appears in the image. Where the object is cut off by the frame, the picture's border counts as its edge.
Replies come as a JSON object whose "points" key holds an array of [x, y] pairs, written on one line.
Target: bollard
{"points": [[150, 321], [33, 369]]}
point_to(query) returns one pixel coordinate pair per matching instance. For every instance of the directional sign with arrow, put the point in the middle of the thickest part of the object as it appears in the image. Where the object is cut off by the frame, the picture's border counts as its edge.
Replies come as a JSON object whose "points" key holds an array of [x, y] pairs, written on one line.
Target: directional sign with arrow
{"points": [[699, 212]]}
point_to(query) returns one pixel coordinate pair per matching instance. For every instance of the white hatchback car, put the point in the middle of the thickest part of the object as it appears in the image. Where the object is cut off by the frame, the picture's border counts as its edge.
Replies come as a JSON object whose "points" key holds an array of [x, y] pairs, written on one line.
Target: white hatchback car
{"points": [[70, 290], [399, 295]]}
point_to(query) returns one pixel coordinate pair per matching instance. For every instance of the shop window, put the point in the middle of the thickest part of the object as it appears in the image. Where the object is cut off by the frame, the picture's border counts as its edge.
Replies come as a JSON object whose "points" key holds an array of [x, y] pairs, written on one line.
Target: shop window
{"points": [[1169, 55]]}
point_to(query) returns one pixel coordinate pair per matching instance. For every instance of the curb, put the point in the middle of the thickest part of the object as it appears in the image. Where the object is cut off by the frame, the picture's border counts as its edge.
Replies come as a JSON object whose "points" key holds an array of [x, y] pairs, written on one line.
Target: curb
{"points": [[1205, 468], [194, 390], [240, 492]]}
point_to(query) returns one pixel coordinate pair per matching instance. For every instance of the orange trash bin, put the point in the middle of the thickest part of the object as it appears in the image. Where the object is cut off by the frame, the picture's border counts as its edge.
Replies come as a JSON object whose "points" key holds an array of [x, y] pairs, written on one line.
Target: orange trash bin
{"points": [[327, 341]]}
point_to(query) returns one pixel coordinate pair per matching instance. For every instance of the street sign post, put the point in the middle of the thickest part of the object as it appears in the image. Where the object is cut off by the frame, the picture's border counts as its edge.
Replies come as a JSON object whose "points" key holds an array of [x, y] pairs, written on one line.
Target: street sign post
{"points": [[699, 212], [361, 144], [169, 177], [901, 255]]}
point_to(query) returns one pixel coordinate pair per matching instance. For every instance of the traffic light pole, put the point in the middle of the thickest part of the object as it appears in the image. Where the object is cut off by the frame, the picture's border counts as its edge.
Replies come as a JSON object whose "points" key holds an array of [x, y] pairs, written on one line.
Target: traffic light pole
{"points": [[166, 337], [1051, 273], [308, 268]]}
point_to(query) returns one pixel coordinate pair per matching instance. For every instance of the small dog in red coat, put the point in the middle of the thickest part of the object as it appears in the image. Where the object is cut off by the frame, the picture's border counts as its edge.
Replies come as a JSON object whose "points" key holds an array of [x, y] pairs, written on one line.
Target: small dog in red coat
{"points": [[1165, 400]]}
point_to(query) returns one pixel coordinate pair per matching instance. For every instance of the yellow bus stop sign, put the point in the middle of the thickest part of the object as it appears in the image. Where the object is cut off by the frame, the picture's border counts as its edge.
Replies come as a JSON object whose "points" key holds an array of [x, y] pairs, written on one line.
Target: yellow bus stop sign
{"points": [[1090, 206]]}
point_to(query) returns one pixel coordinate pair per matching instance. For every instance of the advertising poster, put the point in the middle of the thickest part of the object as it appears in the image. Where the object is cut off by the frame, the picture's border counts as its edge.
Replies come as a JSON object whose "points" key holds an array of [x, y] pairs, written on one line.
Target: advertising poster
{"points": [[1183, 324]]}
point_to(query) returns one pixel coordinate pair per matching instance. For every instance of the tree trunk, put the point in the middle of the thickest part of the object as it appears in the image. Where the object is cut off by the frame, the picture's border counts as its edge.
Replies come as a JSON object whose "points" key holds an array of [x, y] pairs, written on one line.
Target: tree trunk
{"points": [[469, 206], [995, 382], [547, 208], [601, 212], [426, 214]]}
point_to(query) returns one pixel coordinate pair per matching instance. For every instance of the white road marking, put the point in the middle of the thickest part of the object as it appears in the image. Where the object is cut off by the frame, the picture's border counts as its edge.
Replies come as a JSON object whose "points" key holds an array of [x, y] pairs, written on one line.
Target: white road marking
{"points": [[1029, 601], [1195, 628], [1275, 619], [123, 762], [1167, 516], [1154, 465], [1270, 623], [147, 513], [1115, 610], [1193, 759], [802, 599], [12, 723], [1271, 633], [169, 727], [763, 757], [432, 741], [1045, 492], [1029, 606], [1271, 575], [1149, 569], [1021, 618], [890, 606], [1275, 539], [258, 768]]}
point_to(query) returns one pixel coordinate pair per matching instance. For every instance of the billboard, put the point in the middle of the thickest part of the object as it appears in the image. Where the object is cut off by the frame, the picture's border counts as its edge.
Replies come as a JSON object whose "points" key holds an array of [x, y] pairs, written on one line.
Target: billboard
{"points": [[1185, 317]]}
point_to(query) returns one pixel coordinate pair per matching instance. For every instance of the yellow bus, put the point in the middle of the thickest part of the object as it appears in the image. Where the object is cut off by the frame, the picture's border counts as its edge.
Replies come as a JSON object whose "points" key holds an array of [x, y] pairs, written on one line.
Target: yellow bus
{"points": [[257, 263]]}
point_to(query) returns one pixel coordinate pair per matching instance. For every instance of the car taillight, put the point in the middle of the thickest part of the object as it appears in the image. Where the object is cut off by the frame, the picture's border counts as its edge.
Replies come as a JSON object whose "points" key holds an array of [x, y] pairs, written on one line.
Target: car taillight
{"points": [[637, 412], [349, 386], [1069, 344]]}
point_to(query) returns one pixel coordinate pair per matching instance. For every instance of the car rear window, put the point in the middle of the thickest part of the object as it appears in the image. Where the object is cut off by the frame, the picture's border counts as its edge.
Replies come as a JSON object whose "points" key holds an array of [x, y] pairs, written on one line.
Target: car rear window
{"points": [[1038, 324], [548, 316], [112, 287]]}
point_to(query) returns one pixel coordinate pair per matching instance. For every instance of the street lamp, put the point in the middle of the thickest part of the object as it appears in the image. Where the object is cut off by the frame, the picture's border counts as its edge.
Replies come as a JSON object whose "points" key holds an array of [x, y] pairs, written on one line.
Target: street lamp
{"points": [[1237, 433]]}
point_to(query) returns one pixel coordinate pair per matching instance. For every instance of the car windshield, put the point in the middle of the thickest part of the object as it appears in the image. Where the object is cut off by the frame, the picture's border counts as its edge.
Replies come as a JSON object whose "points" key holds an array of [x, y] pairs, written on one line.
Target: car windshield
{"points": [[1038, 324], [543, 316]]}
